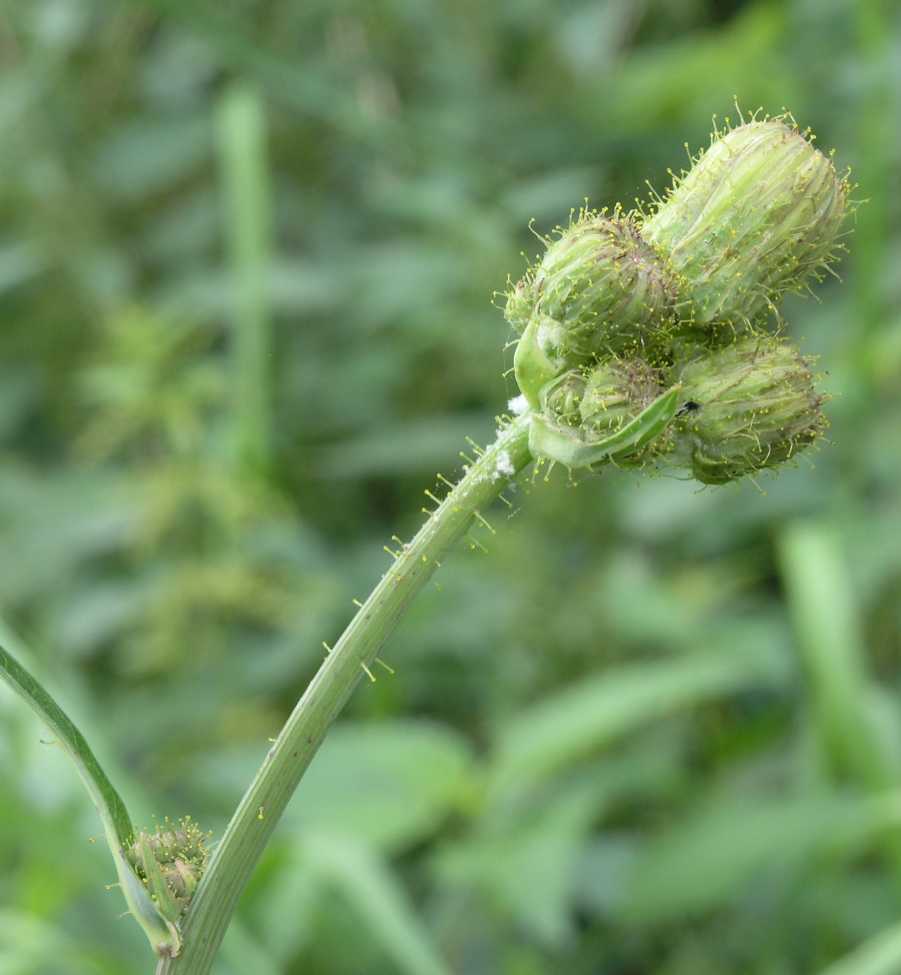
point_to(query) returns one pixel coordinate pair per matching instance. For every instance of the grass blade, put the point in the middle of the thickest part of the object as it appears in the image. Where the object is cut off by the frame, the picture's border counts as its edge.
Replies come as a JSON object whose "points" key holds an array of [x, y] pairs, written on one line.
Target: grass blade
{"points": [[879, 955], [589, 715], [829, 638], [721, 852], [380, 901], [242, 127]]}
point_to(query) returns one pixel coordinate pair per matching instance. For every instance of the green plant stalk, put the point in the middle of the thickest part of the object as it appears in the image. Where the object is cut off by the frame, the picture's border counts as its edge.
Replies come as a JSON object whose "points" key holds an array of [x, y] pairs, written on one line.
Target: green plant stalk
{"points": [[275, 782], [242, 137], [117, 826]]}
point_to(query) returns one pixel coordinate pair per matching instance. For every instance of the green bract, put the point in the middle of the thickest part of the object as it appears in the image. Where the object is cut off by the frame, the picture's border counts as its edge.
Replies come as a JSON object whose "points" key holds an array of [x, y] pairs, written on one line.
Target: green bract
{"points": [[600, 289], [170, 862], [746, 407], [758, 215]]}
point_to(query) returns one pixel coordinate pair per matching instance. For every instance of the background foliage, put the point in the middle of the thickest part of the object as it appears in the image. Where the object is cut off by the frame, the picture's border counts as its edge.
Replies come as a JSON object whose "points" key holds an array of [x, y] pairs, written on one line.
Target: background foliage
{"points": [[247, 253]]}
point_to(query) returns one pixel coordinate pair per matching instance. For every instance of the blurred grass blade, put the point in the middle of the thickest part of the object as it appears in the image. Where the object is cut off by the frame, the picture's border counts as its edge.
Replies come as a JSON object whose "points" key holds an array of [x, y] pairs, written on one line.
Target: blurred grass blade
{"points": [[242, 952], [721, 852], [30, 944], [380, 901], [242, 129], [117, 825], [821, 603], [880, 955], [589, 715], [240, 46]]}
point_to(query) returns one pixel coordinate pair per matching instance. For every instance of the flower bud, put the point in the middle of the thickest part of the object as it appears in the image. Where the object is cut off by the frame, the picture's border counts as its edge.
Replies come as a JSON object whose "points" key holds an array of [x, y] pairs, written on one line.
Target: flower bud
{"points": [[616, 411], [561, 399], [520, 301], [757, 215], [746, 407], [170, 861], [599, 290], [615, 394]]}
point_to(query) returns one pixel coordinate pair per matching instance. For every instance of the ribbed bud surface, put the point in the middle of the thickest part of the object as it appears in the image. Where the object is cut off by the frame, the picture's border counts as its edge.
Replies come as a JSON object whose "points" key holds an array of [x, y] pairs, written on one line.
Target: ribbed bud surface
{"points": [[584, 407], [615, 393], [758, 215], [599, 290], [747, 407], [561, 399]]}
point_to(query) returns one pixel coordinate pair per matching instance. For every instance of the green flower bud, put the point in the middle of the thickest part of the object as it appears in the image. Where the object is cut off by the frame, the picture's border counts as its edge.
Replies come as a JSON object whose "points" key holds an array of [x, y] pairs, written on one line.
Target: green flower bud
{"points": [[599, 290], [758, 215], [520, 301], [561, 399], [616, 411], [170, 862], [746, 407], [615, 394]]}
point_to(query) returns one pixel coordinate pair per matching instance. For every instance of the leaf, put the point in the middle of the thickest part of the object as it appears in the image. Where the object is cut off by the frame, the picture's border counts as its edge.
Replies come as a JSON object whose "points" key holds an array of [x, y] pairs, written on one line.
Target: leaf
{"points": [[576, 721], [242, 952], [825, 617], [528, 862], [879, 955], [380, 901], [721, 851], [29, 944], [117, 825], [242, 149], [389, 783]]}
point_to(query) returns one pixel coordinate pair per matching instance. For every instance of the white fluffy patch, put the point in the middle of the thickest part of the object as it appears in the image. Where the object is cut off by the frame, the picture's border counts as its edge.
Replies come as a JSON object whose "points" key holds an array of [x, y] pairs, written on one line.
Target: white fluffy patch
{"points": [[504, 466], [549, 335], [518, 405]]}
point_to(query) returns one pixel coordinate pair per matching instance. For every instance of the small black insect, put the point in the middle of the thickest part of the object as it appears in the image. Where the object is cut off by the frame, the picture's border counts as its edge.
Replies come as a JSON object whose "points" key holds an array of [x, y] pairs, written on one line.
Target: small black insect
{"points": [[688, 407]]}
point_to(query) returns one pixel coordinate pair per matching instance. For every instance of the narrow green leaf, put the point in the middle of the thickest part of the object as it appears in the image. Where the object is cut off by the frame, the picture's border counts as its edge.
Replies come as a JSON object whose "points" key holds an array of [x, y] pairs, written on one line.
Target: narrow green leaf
{"points": [[243, 951], [829, 638], [720, 852], [879, 955], [380, 901], [242, 127], [580, 719]]}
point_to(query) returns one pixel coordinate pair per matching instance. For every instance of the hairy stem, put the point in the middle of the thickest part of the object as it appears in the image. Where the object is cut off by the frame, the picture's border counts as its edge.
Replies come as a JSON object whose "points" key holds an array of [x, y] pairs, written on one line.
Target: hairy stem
{"points": [[281, 771]]}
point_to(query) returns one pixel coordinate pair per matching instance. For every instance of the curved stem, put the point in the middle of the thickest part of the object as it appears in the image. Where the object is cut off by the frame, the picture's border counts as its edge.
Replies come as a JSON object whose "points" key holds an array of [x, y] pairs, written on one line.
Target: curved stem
{"points": [[281, 771]]}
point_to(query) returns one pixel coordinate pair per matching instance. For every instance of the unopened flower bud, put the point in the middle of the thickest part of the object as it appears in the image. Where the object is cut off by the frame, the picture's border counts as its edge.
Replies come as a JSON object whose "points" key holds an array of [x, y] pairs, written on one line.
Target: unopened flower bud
{"points": [[520, 302], [561, 399], [746, 407], [615, 393], [757, 215], [170, 861], [599, 290], [616, 411]]}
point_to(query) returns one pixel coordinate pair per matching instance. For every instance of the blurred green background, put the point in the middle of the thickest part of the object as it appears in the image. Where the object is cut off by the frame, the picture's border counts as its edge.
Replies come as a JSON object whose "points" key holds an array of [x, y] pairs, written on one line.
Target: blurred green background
{"points": [[247, 257]]}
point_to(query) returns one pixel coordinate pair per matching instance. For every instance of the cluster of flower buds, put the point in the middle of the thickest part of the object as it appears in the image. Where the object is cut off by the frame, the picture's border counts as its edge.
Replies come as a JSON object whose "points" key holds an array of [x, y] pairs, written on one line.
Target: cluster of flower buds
{"points": [[642, 335], [170, 861]]}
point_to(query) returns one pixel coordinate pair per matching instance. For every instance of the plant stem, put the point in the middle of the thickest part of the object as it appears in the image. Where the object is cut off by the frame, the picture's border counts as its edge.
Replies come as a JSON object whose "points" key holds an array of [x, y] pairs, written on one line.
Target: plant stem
{"points": [[242, 125], [274, 784]]}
